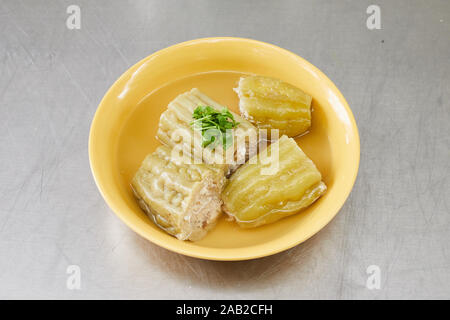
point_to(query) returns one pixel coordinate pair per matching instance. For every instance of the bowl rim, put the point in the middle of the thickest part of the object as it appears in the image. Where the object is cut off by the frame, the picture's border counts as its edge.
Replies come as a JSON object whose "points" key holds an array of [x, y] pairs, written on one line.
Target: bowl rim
{"points": [[222, 254]]}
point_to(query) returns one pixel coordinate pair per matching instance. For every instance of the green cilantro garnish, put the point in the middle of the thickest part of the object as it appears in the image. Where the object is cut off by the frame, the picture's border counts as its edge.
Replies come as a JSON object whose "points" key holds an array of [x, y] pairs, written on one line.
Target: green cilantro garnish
{"points": [[215, 125]]}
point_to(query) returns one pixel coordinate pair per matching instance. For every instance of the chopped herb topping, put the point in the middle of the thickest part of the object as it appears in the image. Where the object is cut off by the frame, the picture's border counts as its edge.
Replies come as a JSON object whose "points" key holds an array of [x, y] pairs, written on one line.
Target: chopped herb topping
{"points": [[215, 125]]}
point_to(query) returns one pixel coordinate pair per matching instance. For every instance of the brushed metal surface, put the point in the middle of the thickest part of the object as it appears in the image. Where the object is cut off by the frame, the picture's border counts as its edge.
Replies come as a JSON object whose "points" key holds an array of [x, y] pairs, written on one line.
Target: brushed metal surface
{"points": [[396, 80]]}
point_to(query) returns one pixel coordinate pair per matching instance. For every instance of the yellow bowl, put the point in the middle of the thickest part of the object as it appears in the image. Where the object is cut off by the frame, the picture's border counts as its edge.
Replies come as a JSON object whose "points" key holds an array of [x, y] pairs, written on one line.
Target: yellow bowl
{"points": [[124, 127]]}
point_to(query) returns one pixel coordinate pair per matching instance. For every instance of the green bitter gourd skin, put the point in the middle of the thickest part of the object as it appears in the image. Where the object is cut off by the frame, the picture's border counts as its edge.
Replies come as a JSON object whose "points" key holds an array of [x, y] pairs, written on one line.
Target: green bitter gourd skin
{"points": [[253, 198]]}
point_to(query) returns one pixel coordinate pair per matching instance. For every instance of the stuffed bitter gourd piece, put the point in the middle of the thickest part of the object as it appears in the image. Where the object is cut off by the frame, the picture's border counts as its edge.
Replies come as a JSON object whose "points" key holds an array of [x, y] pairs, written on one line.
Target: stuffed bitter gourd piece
{"points": [[184, 200], [273, 104], [253, 198], [175, 130]]}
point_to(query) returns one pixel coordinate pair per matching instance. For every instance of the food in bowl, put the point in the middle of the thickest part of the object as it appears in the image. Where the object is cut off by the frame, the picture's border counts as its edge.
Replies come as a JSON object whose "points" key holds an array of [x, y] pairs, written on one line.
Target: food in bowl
{"points": [[270, 103], [182, 199], [176, 131], [272, 185], [209, 160]]}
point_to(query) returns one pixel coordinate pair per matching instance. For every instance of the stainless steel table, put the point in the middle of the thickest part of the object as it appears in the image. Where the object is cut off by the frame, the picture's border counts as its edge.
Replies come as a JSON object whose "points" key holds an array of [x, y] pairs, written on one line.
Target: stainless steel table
{"points": [[396, 80]]}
